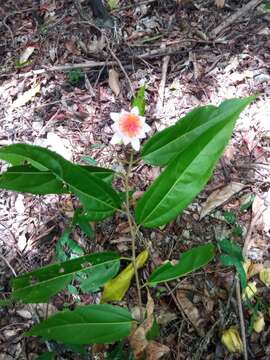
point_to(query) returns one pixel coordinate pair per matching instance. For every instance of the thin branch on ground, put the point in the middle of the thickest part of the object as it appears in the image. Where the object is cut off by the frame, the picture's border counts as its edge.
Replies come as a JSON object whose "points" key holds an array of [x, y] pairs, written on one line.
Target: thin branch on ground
{"points": [[241, 318], [230, 20], [161, 90], [133, 236]]}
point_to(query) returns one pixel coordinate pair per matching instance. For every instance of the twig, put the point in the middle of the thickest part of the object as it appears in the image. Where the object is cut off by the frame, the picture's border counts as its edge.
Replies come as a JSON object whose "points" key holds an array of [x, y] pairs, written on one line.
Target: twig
{"points": [[241, 317], [238, 289], [67, 67], [121, 67], [250, 230], [133, 236], [228, 21], [8, 264], [162, 84]]}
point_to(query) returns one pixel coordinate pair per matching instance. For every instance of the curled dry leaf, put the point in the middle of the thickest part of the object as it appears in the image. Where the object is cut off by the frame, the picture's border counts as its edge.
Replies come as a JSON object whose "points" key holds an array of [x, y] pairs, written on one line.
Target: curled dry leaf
{"points": [[114, 82], [252, 269], [190, 311], [219, 197], [155, 350], [142, 348]]}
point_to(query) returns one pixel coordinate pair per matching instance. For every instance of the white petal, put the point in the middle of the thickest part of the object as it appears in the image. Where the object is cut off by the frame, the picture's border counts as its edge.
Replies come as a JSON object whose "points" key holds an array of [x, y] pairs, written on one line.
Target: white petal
{"points": [[116, 139], [135, 110], [126, 140], [115, 116], [142, 118], [135, 143], [146, 127]]}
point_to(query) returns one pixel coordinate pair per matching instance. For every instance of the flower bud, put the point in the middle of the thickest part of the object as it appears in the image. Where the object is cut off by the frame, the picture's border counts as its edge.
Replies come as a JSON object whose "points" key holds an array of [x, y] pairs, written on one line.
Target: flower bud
{"points": [[232, 340], [265, 276], [250, 291], [259, 323]]}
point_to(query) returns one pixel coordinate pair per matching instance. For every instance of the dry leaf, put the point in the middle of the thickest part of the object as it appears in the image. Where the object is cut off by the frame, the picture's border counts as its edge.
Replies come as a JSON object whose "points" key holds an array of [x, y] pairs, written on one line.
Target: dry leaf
{"points": [[114, 82], [220, 3], [140, 345], [155, 350], [262, 206], [26, 54], [72, 47], [219, 197], [25, 97], [191, 311], [252, 269], [115, 289]]}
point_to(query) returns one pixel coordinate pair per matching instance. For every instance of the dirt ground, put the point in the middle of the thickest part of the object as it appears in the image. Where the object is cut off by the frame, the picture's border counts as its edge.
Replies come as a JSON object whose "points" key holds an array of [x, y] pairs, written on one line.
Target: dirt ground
{"points": [[187, 53]]}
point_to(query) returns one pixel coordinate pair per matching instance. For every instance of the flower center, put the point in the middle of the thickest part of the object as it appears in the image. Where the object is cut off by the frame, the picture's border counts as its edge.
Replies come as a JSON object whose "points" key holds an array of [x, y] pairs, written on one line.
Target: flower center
{"points": [[130, 125]]}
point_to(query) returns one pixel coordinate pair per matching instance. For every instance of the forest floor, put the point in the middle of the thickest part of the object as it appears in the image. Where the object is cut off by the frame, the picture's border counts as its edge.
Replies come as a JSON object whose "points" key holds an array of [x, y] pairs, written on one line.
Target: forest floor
{"points": [[187, 55]]}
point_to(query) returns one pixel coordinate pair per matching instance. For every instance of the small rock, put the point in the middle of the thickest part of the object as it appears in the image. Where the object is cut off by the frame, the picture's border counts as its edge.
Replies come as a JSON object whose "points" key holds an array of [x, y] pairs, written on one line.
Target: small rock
{"points": [[24, 314]]}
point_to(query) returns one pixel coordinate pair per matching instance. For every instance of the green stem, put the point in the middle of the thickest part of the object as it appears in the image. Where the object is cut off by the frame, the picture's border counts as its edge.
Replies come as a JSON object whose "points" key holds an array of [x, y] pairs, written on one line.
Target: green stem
{"points": [[133, 236]]}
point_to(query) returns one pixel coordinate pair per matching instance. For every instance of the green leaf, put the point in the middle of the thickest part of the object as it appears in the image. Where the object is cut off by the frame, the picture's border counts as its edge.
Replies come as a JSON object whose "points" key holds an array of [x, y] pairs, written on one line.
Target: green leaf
{"points": [[89, 160], [26, 178], [247, 205], [186, 175], [47, 356], [230, 217], [228, 260], [5, 302], [98, 277], [65, 244], [139, 100], [81, 219], [97, 196], [165, 145], [190, 261], [231, 248], [100, 172], [39, 285], [89, 324]]}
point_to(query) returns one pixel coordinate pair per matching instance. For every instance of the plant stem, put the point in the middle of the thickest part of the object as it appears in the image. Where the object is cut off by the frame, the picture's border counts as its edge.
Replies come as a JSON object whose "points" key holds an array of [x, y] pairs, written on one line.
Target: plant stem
{"points": [[133, 236]]}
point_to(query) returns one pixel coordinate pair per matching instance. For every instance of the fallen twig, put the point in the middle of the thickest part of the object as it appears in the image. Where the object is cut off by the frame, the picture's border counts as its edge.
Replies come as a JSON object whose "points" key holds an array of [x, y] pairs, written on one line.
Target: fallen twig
{"points": [[162, 84], [231, 19], [241, 318]]}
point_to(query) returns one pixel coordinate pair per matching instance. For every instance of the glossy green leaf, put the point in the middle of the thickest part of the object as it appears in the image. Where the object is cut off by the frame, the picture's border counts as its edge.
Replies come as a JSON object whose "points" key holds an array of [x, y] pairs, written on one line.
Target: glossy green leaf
{"points": [[228, 260], [98, 277], [186, 175], [39, 285], [89, 324], [231, 248], [139, 100], [190, 261], [96, 195], [49, 355], [25, 178], [81, 219], [165, 145]]}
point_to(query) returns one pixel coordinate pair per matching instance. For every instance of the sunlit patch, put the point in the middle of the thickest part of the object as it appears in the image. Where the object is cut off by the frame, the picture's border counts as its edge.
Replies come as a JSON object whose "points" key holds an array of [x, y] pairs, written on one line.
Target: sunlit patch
{"points": [[130, 125]]}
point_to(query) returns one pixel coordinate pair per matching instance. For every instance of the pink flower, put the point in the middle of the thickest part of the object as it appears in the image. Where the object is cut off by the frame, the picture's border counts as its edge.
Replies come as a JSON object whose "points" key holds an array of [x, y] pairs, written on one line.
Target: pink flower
{"points": [[129, 127]]}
